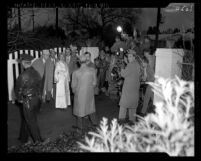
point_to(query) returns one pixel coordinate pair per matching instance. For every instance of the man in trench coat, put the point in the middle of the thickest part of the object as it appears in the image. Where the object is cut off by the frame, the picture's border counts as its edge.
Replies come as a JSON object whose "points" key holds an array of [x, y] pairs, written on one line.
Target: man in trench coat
{"points": [[130, 92], [83, 84]]}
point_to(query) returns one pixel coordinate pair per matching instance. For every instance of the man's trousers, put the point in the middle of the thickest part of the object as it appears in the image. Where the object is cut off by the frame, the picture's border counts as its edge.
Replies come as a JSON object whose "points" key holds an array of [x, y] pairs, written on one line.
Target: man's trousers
{"points": [[131, 113], [147, 97], [92, 118], [29, 125]]}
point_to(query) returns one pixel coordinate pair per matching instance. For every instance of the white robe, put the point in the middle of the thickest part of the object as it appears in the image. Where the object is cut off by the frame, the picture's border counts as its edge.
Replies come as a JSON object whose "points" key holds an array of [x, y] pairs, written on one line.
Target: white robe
{"points": [[62, 85]]}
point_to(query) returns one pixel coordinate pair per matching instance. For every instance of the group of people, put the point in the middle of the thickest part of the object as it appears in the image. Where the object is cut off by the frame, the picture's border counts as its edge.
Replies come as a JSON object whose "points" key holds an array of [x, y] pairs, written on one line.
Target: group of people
{"points": [[69, 79], [129, 64], [72, 79]]}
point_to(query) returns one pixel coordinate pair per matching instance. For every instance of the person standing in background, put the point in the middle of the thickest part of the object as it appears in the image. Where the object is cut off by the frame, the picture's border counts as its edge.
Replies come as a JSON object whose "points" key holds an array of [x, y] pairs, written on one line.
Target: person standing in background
{"points": [[151, 58], [68, 56], [73, 63], [88, 59], [54, 60], [149, 77], [40, 66], [49, 76], [71, 60], [108, 73], [102, 71]]}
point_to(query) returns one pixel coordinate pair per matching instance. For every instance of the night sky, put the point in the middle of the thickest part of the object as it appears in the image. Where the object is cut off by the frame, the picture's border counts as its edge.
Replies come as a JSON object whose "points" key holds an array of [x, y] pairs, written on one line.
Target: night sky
{"points": [[172, 20], [46, 16]]}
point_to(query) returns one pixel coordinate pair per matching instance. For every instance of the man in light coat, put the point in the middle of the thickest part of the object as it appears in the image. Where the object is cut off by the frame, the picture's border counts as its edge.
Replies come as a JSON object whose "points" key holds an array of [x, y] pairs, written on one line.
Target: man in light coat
{"points": [[130, 92], [83, 84]]}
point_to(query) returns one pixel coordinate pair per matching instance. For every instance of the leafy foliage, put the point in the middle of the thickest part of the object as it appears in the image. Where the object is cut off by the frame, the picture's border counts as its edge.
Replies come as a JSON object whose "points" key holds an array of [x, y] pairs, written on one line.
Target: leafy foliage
{"points": [[66, 142], [170, 129], [93, 22]]}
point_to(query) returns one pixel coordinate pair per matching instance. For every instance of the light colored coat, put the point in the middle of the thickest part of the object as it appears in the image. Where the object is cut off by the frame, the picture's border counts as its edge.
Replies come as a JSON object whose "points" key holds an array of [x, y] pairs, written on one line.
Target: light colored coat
{"points": [[62, 79], [83, 84], [131, 86]]}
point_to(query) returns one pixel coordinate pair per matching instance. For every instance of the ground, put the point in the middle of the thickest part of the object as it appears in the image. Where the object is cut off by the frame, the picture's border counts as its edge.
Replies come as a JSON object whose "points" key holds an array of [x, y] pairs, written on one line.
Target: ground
{"points": [[54, 122], [56, 126]]}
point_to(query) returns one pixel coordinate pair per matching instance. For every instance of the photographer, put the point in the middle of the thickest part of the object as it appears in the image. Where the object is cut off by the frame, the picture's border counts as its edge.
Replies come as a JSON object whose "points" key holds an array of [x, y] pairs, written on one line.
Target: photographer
{"points": [[118, 44]]}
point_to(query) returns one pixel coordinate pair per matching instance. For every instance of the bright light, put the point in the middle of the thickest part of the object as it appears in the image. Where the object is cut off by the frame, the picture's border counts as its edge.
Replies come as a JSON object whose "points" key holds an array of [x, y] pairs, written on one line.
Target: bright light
{"points": [[119, 29]]}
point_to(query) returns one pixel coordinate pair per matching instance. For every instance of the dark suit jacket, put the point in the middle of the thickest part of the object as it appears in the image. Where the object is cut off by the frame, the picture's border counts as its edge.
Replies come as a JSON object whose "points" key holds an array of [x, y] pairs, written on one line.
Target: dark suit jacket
{"points": [[28, 85]]}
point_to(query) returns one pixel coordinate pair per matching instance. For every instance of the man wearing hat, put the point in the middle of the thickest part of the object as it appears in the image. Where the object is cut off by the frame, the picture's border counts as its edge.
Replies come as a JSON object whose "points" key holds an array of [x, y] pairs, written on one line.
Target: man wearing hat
{"points": [[28, 94]]}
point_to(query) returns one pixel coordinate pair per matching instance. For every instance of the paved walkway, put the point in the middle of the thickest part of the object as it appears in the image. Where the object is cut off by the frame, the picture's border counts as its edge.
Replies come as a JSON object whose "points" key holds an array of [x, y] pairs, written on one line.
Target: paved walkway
{"points": [[53, 121]]}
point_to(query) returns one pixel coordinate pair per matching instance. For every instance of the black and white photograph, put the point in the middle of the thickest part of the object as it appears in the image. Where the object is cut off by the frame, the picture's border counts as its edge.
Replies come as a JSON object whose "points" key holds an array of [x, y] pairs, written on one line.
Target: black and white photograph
{"points": [[98, 77]]}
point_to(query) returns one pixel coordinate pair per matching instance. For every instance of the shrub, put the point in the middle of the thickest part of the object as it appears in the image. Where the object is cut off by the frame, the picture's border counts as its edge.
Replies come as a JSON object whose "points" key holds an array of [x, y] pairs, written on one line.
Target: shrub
{"points": [[169, 130]]}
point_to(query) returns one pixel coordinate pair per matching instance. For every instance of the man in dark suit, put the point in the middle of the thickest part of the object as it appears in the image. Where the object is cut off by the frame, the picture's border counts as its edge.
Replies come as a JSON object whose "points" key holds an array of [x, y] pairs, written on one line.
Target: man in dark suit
{"points": [[40, 66], [149, 77], [73, 59], [28, 92], [53, 60]]}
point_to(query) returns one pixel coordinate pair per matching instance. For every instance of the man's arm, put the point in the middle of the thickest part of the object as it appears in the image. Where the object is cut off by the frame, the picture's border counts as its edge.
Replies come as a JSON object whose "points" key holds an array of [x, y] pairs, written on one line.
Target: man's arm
{"points": [[125, 72]]}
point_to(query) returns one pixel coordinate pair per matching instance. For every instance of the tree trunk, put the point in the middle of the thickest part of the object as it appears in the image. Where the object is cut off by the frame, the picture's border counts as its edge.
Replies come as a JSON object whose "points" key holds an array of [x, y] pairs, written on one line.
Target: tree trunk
{"points": [[19, 19], [57, 26], [157, 27], [33, 18]]}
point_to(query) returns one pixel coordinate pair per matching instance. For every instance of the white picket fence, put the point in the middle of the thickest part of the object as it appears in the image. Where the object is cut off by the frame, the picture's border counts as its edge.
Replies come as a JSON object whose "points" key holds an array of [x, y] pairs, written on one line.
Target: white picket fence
{"points": [[14, 69]]}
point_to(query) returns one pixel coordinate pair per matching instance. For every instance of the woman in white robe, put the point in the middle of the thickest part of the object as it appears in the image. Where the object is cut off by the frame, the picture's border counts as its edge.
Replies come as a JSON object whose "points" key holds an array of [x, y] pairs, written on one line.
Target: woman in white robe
{"points": [[62, 79]]}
